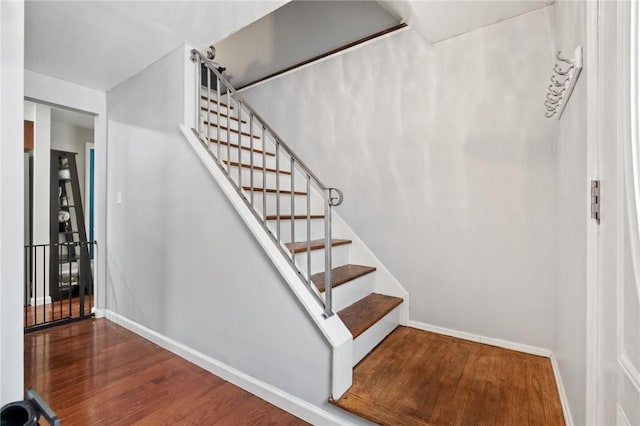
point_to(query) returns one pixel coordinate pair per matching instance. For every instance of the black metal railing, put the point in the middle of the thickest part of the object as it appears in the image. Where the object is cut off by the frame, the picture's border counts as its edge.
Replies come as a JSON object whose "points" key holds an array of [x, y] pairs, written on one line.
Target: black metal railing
{"points": [[58, 283]]}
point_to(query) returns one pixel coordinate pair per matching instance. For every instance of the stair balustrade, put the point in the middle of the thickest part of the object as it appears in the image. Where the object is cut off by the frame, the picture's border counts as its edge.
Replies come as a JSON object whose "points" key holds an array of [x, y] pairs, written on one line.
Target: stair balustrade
{"points": [[233, 119]]}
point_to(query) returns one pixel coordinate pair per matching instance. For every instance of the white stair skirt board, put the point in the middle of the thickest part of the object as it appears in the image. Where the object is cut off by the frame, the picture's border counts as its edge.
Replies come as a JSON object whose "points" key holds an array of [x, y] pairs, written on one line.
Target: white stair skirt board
{"points": [[331, 328], [271, 394], [352, 291], [364, 343]]}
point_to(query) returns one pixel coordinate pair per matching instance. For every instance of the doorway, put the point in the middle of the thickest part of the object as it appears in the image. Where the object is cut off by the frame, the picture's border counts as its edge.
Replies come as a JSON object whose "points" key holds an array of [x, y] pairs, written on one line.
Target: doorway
{"points": [[59, 270]]}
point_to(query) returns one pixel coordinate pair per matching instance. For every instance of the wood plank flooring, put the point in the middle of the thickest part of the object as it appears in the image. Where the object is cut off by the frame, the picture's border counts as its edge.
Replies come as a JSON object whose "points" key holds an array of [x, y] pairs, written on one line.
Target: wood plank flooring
{"points": [[94, 372], [62, 309], [419, 378]]}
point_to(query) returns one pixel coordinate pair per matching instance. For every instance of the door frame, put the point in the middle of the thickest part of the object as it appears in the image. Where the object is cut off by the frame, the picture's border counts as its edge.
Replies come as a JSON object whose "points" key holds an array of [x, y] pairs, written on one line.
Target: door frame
{"points": [[627, 195]]}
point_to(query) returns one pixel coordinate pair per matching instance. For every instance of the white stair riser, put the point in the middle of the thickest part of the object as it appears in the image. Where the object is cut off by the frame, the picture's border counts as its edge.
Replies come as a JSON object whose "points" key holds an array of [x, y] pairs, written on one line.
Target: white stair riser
{"points": [[368, 340], [270, 179], [300, 227], [214, 107], [300, 202], [245, 157], [349, 293], [339, 256], [233, 138]]}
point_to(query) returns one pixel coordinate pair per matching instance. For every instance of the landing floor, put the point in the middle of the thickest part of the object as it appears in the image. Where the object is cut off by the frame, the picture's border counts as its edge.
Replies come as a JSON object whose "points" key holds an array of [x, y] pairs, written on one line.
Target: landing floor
{"points": [[94, 372], [419, 378]]}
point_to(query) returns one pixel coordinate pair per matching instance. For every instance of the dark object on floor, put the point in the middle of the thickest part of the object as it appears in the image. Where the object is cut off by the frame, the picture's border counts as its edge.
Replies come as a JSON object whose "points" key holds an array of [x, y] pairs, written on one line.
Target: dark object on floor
{"points": [[28, 412]]}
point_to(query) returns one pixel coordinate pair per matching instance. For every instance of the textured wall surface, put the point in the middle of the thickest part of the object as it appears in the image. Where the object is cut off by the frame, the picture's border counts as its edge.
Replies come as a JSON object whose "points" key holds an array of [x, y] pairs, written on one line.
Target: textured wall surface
{"points": [[570, 344], [447, 165]]}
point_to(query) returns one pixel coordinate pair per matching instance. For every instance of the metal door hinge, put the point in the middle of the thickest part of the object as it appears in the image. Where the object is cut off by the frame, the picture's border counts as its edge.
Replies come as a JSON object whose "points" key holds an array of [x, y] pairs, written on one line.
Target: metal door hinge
{"points": [[595, 200]]}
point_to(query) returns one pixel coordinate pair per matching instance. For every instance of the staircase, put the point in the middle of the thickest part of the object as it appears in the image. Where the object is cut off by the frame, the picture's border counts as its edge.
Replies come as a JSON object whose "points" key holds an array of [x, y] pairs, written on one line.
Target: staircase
{"points": [[295, 208]]}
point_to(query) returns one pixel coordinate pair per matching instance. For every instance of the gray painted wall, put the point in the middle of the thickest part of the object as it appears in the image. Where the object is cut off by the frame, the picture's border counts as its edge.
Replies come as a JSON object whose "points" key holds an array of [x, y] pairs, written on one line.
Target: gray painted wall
{"points": [[181, 262], [569, 341], [447, 165]]}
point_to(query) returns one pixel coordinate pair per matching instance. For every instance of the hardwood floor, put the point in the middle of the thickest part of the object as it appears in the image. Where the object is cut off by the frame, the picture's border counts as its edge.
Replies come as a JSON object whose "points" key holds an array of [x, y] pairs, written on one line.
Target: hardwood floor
{"points": [[41, 314], [419, 378], [94, 372]]}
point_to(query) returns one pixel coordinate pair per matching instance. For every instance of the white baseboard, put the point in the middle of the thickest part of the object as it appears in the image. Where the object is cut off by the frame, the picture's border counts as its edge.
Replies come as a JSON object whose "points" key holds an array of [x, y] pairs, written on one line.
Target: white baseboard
{"points": [[271, 394], [568, 419], [533, 350], [98, 312], [40, 301]]}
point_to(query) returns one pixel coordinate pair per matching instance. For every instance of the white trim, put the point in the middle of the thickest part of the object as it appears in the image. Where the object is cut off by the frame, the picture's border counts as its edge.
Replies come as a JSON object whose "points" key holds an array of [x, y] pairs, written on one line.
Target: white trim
{"points": [[98, 312], [506, 344], [622, 419], [630, 370], [40, 301], [269, 393], [88, 146], [593, 314], [568, 419], [335, 55]]}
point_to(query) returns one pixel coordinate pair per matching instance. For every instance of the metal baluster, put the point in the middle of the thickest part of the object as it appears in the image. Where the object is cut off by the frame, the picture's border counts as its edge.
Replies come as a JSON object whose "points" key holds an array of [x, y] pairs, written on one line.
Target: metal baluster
{"points": [[81, 282], [208, 111], [198, 95], [264, 179], [327, 254], [70, 259], [277, 188], [251, 156], [34, 305], [293, 212], [26, 283], [309, 229], [239, 105], [218, 114], [228, 131]]}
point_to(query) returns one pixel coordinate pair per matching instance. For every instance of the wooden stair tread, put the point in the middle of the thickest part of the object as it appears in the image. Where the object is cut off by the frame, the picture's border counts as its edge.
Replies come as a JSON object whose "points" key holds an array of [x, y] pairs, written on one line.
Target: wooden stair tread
{"points": [[341, 274], [232, 130], [222, 104], [213, 111], [246, 148], [296, 217], [367, 311], [272, 190], [301, 246], [248, 166]]}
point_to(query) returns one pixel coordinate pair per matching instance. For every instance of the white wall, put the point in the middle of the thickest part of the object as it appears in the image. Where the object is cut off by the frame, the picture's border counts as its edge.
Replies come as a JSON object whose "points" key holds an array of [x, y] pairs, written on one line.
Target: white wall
{"points": [[11, 200], [68, 137], [181, 261], [569, 301], [446, 162]]}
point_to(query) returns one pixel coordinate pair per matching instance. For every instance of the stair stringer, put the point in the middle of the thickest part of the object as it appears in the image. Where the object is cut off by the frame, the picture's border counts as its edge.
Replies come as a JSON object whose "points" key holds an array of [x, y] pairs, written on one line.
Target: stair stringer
{"points": [[332, 328]]}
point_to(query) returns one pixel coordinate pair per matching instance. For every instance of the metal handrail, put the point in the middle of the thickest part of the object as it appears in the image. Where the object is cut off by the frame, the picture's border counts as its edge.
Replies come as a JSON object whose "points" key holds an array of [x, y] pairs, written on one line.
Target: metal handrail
{"points": [[332, 196]]}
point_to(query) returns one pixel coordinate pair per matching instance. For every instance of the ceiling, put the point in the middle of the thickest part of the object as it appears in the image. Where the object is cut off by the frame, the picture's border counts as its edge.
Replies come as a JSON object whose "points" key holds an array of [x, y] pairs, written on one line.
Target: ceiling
{"points": [[99, 44], [71, 117], [440, 20], [296, 32]]}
